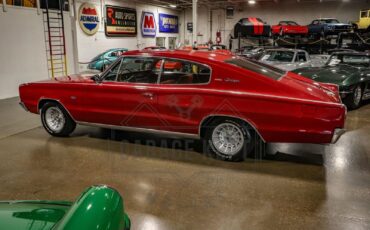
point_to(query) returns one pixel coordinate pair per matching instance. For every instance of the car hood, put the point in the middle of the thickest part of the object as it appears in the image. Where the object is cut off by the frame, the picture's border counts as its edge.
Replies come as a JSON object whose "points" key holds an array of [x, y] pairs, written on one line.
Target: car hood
{"points": [[329, 74], [338, 24], [281, 65], [75, 78], [38, 214]]}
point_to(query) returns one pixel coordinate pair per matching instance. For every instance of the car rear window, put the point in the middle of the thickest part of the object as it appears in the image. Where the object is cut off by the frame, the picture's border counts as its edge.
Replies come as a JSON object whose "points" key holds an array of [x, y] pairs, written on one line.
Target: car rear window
{"points": [[257, 67]]}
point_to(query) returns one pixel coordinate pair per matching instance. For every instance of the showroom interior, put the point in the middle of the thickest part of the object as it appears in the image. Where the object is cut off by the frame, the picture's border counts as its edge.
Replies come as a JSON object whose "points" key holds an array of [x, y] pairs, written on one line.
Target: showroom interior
{"points": [[184, 114]]}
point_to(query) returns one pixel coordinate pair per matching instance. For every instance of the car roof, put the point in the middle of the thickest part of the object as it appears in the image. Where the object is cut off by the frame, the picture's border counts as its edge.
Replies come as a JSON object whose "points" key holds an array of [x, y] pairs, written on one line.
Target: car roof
{"points": [[286, 49], [352, 53], [183, 54]]}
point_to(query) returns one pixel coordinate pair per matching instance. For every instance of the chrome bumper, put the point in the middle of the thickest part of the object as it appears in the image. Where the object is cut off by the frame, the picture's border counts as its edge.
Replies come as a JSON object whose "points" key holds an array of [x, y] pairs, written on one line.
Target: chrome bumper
{"points": [[337, 134], [23, 106]]}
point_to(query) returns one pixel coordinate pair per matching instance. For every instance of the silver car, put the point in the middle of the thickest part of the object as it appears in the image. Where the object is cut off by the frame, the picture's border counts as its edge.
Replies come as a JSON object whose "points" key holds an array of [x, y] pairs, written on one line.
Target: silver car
{"points": [[287, 59]]}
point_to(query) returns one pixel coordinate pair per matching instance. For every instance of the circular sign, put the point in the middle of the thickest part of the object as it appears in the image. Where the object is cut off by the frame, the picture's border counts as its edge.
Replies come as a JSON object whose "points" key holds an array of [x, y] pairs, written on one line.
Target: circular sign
{"points": [[89, 18]]}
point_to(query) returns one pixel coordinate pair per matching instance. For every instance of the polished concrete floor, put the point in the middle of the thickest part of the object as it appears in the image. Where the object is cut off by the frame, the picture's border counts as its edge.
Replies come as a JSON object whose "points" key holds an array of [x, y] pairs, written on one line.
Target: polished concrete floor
{"points": [[301, 187]]}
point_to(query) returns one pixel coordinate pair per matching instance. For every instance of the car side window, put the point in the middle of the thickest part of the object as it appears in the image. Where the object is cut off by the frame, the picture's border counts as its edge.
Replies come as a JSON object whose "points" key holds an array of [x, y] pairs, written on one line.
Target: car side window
{"points": [[135, 70], [184, 72], [301, 57], [139, 70], [363, 14], [111, 75]]}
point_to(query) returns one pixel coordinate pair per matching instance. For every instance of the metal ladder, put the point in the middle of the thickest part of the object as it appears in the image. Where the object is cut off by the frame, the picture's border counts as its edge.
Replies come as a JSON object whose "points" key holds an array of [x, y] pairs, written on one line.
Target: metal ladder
{"points": [[55, 40]]}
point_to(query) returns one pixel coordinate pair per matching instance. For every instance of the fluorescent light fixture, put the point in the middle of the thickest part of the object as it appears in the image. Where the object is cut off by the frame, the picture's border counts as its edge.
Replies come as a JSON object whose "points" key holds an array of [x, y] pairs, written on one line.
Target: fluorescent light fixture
{"points": [[251, 2], [173, 6]]}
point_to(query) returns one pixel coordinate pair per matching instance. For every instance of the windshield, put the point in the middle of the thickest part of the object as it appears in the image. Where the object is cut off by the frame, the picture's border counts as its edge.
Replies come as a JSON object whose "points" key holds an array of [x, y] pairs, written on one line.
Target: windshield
{"points": [[329, 21], [257, 67], [98, 56], [278, 55], [288, 23], [348, 59]]}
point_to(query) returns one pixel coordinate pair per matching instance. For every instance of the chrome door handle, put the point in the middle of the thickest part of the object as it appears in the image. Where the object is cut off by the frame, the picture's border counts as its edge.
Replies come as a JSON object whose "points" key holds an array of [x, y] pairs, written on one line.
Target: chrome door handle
{"points": [[148, 95]]}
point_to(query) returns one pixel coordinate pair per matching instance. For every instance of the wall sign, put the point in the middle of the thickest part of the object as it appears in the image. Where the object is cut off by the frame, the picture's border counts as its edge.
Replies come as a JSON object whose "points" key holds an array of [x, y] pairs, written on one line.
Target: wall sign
{"points": [[189, 26], [168, 23], [89, 18], [148, 25], [121, 21]]}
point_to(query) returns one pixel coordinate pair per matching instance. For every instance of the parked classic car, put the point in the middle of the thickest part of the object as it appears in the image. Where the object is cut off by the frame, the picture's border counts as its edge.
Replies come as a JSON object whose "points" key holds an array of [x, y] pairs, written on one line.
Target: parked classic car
{"points": [[254, 53], [363, 24], [286, 59], [247, 27], [98, 207], [350, 71], [288, 28], [328, 26], [103, 60], [226, 100]]}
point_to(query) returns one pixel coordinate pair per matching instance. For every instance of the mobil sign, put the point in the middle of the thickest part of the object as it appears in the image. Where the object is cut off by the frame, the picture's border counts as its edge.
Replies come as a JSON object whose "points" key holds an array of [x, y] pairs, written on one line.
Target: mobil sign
{"points": [[148, 25]]}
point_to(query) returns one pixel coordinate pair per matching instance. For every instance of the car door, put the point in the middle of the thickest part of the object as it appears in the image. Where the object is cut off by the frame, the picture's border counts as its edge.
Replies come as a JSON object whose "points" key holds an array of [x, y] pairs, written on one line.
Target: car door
{"points": [[182, 98], [124, 95], [314, 27]]}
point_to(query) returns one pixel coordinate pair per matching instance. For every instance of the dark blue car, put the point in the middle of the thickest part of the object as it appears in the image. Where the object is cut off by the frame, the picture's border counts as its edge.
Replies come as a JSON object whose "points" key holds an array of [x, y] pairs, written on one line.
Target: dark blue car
{"points": [[327, 26]]}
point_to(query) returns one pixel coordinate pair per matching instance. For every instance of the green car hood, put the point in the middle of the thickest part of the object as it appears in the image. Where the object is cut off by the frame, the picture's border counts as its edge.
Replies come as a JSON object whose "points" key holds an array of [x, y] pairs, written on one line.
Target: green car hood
{"points": [[98, 207], [31, 214], [339, 75]]}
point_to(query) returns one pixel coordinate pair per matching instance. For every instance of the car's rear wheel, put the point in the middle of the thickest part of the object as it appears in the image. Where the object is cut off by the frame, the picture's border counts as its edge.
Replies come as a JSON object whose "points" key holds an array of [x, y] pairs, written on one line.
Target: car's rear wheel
{"points": [[56, 120], [229, 139], [353, 101]]}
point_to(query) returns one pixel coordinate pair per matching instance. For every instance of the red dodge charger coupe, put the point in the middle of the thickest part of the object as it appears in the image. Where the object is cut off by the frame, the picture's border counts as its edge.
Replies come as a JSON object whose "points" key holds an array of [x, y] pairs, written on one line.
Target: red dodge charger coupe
{"points": [[289, 28], [221, 98]]}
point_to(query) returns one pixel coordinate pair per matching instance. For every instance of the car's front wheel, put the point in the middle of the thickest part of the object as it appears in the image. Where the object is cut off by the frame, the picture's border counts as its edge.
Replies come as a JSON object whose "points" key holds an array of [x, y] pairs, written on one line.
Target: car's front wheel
{"points": [[56, 120], [353, 101], [229, 139]]}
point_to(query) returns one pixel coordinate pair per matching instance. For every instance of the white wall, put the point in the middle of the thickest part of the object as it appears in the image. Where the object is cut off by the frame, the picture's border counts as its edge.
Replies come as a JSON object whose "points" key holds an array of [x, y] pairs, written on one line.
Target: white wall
{"points": [[90, 46], [22, 49]]}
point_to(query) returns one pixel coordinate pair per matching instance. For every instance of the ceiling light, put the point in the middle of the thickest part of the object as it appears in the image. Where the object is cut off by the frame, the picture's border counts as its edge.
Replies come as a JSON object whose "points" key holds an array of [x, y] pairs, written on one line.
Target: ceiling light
{"points": [[251, 2], [173, 6]]}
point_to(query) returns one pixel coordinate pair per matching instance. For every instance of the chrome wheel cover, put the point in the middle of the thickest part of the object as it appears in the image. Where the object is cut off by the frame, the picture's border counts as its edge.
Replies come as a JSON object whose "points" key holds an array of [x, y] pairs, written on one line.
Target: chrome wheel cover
{"points": [[357, 95], [228, 139], [54, 119]]}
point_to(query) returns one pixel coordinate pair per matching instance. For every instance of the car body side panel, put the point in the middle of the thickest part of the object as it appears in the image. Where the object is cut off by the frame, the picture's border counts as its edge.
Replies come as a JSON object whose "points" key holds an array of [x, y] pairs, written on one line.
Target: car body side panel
{"points": [[283, 110]]}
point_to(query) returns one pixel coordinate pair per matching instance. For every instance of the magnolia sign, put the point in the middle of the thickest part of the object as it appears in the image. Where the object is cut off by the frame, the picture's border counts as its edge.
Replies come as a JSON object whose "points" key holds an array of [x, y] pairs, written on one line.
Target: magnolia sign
{"points": [[148, 25]]}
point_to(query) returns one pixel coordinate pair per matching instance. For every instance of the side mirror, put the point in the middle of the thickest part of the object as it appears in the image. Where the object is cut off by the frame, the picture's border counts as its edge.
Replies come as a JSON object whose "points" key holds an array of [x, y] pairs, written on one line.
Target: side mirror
{"points": [[114, 54]]}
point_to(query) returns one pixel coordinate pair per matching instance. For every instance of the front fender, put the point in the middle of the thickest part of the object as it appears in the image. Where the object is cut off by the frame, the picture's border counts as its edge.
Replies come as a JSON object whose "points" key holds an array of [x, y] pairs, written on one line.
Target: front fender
{"points": [[98, 207]]}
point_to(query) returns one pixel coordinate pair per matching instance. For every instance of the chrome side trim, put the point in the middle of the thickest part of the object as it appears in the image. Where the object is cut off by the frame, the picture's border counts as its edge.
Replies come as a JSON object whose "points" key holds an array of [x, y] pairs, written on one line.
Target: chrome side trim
{"points": [[143, 130], [23, 106], [225, 115], [337, 134]]}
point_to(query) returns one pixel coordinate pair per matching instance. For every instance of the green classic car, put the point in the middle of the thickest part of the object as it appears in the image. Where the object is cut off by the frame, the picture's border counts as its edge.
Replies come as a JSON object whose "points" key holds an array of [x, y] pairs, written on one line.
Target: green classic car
{"points": [[98, 207], [350, 71], [105, 59]]}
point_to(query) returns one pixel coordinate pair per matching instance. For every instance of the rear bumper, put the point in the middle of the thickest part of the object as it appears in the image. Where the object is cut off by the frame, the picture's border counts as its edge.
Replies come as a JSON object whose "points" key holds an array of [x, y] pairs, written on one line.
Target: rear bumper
{"points": [[337, 134]]}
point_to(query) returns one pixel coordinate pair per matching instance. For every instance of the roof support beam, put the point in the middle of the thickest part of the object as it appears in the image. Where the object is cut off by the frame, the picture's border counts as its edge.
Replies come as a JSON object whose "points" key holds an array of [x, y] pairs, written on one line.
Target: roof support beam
{"points": [[195, 22]]}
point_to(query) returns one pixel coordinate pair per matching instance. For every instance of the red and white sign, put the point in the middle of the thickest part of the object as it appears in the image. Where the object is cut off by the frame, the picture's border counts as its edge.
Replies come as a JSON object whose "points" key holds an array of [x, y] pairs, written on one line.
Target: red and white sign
{"points": [[148, 25]]}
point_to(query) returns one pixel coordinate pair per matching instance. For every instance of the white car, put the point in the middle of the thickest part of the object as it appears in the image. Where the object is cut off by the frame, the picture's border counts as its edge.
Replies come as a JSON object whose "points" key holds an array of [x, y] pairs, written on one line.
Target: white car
{"points": [[288, 59]]}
